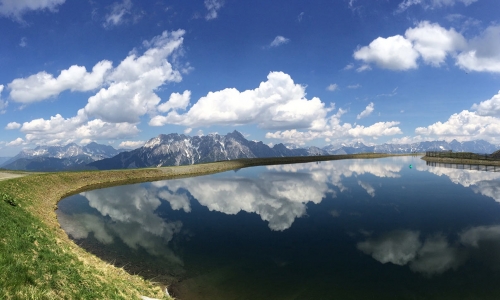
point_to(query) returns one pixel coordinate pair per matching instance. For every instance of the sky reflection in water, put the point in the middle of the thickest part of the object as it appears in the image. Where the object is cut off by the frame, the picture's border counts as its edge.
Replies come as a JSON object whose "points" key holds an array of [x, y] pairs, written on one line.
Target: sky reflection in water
{"points": [[331, 229]]}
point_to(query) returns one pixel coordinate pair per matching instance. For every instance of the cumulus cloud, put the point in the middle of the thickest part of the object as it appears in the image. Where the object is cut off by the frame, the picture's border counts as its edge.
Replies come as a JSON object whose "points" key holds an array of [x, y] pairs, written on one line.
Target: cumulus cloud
{"points": [[430, 4], [58, 129], [368, 110], [279, 198], [16, 8], [332, 87], [397, 247], [464, 126], [16, 142], [3, 104], [433, 44], [278, 41], [42, 85], [80, 225], [336, 130], [489, 107], [127, 93], [367, 187], [436, 256], [13, 125], [131, 144], [127, 213], [132, 83], [213, 7], [276, 103], [402, 247], [474, 236], [483, 52], [393, 53], [176, 101], [118, 11]]}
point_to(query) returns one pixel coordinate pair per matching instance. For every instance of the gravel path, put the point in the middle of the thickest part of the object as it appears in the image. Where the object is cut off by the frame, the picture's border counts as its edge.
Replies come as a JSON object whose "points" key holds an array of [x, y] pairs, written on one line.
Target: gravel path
{"points": [[6, 175]]}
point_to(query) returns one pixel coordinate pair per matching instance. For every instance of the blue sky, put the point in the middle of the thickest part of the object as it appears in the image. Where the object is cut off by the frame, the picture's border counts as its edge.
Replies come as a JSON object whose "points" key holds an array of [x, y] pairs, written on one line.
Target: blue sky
{"points": [[307, 72]]}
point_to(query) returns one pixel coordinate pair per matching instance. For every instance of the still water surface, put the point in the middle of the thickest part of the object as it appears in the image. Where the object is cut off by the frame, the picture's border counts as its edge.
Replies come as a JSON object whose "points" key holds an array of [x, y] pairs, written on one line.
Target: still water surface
{"points": [[351, 229]]}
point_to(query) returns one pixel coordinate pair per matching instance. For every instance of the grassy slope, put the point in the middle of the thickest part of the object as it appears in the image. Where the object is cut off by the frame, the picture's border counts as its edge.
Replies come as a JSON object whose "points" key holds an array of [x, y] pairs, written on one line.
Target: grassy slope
{"points": [[39, 261]]}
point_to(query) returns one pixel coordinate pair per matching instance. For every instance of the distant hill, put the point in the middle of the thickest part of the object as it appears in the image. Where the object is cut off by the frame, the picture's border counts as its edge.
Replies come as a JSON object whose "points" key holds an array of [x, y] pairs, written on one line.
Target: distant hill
{"points": [[50, 164], [58, 158], [174, 149], [478, 146], [4, 159], [179, 149]]}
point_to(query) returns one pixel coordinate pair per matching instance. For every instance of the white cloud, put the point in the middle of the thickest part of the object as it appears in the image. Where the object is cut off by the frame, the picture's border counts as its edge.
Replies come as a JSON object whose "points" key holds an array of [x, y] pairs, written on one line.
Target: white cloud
{"points": [[41, 86], [131, 144], [436, 256], [430, 4], [489, 107], [394, 53], [348, 67], [13, 125], [354, 86], [16, 142], [376, 130], [433, 42], [363, 68], [176, 101], [16, 8], [336, 130], [3, 104], [397, 247], [278, 198], [117, 13], [473, 236], [115, 110], [464, 126], [367, 187], [403, 247], [132, 83], [300, 16], [24, 42], [406, 140], [368, 110], [276, 103], [59, 129], [483, 52], [213, 7], [278, 41], [332, 87]]}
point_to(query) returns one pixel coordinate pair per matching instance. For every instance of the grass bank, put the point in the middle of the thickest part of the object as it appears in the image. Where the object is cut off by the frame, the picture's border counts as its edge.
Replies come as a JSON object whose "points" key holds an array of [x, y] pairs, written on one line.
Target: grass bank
{"points": [[39, 261]]}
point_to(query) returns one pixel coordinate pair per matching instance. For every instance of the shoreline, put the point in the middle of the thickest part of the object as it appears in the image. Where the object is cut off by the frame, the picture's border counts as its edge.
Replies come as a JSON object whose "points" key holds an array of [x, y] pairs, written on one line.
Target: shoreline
{"points": [[78, 273], [461, 161]]}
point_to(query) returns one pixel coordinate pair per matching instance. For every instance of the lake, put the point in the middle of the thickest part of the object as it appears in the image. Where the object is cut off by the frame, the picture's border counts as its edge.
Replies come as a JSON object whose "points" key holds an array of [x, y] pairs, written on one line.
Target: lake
{"points": [[388, 228]]}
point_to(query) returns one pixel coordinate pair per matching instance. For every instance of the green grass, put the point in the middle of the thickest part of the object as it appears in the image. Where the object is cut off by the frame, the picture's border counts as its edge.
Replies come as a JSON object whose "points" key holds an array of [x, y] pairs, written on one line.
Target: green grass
{"points": [[39, 261]]}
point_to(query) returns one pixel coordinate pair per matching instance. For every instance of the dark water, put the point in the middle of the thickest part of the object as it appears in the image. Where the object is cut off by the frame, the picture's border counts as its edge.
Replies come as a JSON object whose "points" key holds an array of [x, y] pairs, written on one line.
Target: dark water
{"points": [[353, 229]]}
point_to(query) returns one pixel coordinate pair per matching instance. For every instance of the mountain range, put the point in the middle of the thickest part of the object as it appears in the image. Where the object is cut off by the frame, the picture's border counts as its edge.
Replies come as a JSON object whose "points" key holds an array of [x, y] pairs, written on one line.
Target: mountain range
{"points": [[58, 158], [179, 149]]}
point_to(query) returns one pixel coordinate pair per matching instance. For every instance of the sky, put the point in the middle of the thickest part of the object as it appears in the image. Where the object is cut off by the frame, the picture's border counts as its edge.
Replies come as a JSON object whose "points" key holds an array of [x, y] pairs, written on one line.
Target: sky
{"points": [[306, 72]]}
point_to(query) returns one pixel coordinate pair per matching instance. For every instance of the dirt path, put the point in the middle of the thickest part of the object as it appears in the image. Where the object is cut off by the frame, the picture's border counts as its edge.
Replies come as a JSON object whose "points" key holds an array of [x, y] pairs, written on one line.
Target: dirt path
{"points": [[7, 175]]}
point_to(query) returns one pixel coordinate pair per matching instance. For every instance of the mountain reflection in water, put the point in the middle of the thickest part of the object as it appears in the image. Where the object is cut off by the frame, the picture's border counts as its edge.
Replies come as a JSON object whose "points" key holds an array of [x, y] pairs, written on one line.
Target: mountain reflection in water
{"points": [[315, 231]]}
